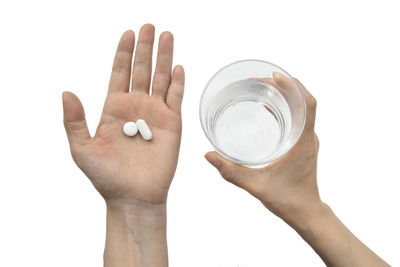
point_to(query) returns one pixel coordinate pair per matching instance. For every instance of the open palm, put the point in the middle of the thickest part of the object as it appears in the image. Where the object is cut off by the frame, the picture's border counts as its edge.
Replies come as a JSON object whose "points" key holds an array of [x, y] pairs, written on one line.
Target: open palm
{"points": [[123, 167]]}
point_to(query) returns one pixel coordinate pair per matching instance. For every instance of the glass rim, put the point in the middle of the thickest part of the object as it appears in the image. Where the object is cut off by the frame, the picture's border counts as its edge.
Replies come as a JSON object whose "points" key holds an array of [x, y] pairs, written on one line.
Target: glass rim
{"points": [[245, 163]]}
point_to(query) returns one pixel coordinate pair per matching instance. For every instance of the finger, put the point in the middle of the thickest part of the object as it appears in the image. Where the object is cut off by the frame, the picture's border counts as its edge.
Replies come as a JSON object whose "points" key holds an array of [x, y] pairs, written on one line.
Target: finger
{"points": [[143, 59], [121, 70], [265, 80], [316, 141], [311, 103], [162, 74], [288, 84], [74, 119], [306, 93], [283, 81], [232, 172], [292, 85], [176, 88], [272, 82]]}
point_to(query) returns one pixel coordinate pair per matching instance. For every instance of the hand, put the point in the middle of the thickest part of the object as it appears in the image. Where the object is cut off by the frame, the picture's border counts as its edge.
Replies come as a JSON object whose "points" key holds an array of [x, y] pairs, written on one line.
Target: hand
{"points": [[130, 168], [288, 186], [133, 175]]}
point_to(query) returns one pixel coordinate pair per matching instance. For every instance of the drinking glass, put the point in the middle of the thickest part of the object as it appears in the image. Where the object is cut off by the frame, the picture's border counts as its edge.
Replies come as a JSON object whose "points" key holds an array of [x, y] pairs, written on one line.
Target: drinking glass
{"points": [[253, 112]]}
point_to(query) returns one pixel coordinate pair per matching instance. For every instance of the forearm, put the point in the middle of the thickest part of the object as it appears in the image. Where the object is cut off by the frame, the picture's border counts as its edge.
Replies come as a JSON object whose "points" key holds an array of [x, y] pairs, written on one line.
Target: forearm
{"points": [[136, 235], [333, 242]]}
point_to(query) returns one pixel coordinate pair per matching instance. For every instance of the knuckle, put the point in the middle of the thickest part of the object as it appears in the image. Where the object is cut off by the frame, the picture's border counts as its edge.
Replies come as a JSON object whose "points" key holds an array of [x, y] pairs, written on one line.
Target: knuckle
{"points": [[312, 102], [75, 125], [316, 140], [178, 95], [162, 77], [228, 174]]}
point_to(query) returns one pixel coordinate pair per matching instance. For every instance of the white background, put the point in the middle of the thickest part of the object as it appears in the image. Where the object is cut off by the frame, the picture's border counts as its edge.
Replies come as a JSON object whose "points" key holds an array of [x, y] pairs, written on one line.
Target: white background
{"points": [[345, 52]]}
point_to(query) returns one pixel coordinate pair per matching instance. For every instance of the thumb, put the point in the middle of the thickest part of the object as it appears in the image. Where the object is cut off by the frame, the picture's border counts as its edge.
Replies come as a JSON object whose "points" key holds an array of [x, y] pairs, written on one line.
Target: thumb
{"points": [[232, 172], [74, 118]]}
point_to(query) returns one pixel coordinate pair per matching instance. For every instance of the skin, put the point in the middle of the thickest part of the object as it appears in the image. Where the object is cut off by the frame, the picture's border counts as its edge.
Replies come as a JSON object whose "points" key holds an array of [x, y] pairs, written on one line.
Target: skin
{"points": [[288, 188], [133, 175]]}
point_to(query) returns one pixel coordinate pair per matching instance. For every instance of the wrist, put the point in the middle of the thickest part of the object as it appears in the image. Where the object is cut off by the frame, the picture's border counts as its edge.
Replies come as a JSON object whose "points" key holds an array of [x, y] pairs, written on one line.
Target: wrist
{"points": [[133, 206], [134, 209], [311, 218], [136, 233], [136, 215]]}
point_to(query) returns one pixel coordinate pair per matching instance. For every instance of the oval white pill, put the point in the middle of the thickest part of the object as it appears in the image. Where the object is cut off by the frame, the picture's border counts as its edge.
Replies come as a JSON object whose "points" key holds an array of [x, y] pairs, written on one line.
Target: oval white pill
{"points": [[144, 129], [130, 128]]}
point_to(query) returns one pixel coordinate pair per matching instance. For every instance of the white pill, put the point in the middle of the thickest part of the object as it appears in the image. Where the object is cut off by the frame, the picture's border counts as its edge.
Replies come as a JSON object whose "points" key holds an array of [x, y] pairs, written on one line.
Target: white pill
{"points": [[144, 129], [130, 128]]}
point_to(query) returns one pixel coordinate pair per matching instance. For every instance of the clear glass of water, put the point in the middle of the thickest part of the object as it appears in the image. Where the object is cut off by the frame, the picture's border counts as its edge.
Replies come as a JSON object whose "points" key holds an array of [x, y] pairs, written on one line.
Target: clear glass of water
{"points": [[253, 112]]}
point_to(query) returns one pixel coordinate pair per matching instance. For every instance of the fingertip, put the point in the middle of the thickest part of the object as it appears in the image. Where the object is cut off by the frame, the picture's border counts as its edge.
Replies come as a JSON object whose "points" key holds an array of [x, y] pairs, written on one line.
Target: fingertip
{"points": [[74, 118], [63, 95], [167, 35], [128, 35], [148, 27], [209, 154], [179, 68], [126, 42], [285, 82], [146, 34], [212, 158], [179, 73], [67, 96], [272, 82], [166, 45], [278, 76], [72, 106]]}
